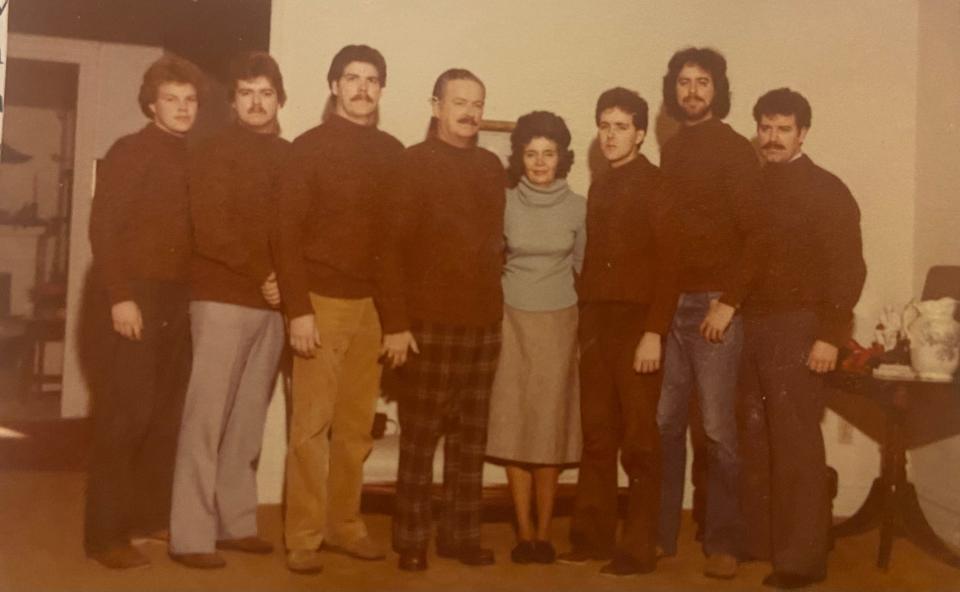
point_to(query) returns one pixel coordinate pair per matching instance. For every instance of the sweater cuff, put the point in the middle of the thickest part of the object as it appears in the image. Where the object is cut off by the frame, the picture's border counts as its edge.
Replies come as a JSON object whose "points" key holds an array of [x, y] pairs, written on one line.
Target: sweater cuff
{"points": [[296, 305], [119, 293], [393, 316]]}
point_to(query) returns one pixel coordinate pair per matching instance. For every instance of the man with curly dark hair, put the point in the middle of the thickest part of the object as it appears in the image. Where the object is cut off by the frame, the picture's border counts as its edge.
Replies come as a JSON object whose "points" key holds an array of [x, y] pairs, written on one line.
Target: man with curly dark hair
{"points": [[627, 296], [711, 181], [140, 235]]}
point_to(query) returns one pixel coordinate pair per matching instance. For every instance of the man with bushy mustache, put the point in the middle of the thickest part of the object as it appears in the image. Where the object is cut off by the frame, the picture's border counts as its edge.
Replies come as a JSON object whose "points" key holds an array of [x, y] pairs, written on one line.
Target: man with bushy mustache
{"points": [[711, 183], [331, 215], [794, 322]]}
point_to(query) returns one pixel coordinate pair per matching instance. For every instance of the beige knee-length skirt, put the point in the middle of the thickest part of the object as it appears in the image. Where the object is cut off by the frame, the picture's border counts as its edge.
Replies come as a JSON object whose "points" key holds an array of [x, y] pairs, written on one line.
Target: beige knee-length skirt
{"points": [[535, 403]]}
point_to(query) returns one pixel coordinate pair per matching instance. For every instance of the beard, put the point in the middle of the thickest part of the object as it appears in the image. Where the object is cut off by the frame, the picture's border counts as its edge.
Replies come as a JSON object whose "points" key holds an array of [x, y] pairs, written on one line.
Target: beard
{"points": [[695, 109]]}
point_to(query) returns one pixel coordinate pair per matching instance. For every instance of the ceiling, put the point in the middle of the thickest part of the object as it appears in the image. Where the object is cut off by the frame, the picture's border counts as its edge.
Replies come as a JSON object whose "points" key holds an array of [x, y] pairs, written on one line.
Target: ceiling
{"points": [[208, 32]]}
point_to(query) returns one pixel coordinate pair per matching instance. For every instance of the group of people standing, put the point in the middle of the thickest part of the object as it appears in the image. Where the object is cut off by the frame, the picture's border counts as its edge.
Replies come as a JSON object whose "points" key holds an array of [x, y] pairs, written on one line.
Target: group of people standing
{"points": [[526, 325]]}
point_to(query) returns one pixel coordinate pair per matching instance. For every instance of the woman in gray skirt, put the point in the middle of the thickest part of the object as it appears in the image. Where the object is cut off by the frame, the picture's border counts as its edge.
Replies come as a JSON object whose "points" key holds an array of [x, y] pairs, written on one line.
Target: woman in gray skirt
{"points": [[534, 424]]}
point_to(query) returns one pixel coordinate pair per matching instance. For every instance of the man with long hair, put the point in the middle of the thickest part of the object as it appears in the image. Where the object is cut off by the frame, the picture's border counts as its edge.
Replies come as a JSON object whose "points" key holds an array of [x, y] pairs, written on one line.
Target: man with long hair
{"points": [[711, 182]]}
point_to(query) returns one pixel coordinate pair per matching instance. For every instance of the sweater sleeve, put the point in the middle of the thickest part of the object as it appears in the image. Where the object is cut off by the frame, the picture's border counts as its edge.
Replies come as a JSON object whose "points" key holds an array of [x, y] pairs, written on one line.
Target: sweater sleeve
{"points": [[580, 237], [400, 216], [293, 208], [742, 182], [215, 219], [845, 269], [666, 266], [122, 173]]}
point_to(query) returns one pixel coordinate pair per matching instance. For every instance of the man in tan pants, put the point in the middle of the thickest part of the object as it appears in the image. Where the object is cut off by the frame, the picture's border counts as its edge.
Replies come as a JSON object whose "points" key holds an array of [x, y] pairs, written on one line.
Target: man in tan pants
{"points": [[331, 213]]}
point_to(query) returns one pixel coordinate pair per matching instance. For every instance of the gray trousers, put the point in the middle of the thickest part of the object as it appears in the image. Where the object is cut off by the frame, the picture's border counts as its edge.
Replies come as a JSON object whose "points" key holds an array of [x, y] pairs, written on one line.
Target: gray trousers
{"points": [[235, 357]]}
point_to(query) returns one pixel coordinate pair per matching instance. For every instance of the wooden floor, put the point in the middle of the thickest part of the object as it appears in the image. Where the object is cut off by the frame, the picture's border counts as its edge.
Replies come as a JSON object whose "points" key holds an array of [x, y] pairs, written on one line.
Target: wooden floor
{"points": [[41, 501]]}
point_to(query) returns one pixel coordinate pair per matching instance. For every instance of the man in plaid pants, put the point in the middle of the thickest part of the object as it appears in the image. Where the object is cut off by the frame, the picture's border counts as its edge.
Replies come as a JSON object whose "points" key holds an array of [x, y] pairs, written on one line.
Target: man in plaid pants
{"points": [[441, 311]]}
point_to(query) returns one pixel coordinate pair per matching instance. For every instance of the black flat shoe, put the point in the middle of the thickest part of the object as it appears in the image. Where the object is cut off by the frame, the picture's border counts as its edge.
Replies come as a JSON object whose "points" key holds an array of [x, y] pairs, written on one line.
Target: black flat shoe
{"points": [[412, 560], [524, 552], [543, 552]]}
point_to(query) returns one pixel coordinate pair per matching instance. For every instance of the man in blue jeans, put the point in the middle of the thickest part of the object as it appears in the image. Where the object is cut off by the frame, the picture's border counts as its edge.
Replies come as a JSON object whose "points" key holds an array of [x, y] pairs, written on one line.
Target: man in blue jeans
{"points": [[711, 181]]}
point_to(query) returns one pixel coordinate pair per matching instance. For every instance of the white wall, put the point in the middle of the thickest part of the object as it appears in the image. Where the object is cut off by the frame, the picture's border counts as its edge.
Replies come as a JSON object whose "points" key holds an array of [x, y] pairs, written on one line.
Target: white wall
{"points": [[107, 108], [937, 221], [856, 64]]}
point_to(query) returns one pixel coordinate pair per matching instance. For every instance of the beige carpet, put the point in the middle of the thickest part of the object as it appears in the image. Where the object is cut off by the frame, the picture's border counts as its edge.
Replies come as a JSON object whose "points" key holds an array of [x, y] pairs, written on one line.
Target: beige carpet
{"points": [[40, 549]]}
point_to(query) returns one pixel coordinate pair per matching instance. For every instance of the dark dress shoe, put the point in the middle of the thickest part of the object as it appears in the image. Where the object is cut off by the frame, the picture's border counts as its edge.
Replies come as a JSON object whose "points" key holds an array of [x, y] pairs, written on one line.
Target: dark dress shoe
{"points": [[412, 560], [624, 565], [523, 552], [199, 560], [543, 552], [250, 544], [789, 581], [467, 555], [122, 556]]}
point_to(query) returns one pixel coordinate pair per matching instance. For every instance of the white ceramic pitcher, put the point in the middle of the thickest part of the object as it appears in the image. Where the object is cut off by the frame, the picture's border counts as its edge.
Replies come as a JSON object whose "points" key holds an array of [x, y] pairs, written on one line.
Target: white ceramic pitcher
{"points": [[934, 338]]}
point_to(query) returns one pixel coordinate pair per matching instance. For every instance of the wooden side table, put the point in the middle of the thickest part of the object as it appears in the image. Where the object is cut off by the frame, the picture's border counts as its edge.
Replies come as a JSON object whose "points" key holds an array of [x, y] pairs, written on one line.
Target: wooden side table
{"points": [[892, 503]]}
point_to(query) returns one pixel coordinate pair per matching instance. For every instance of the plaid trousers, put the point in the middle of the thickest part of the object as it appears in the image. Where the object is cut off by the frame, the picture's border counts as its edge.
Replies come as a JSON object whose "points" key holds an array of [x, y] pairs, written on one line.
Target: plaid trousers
{"points": [[446, 391]]}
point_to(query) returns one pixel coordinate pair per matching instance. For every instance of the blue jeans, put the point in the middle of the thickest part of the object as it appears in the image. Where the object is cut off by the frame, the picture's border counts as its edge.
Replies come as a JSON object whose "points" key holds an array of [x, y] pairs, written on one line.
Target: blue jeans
{"points": [[693, 365]]}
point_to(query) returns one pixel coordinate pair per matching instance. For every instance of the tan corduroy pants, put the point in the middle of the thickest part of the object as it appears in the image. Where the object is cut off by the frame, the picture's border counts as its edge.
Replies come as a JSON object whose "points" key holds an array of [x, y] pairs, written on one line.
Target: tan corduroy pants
{"points": [[334, 398]]}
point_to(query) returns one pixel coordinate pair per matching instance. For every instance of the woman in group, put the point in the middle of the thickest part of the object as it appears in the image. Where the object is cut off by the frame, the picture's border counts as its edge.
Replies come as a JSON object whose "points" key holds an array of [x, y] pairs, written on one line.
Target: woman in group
{"points": [[534, 424]]}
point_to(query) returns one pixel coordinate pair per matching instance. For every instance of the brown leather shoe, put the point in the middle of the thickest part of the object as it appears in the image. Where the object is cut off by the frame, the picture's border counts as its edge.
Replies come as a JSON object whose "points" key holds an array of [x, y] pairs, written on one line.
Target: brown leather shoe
{"points": [[199, 560], [412, 560], [362, 548], [250, 544], [120, 557], [304, 561]]}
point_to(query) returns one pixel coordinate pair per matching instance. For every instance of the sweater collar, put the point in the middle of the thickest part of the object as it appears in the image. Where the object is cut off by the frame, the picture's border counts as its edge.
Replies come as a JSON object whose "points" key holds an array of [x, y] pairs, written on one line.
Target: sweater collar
{"points": [[705, 127], [344, 125], [455, 151], [795, 166], [165, 138], [536, 196]]}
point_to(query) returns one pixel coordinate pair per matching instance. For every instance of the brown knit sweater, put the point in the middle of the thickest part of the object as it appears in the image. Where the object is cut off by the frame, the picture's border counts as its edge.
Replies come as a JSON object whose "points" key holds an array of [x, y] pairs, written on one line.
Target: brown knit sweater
{"points": [[140, 219], [332, 209], [443, 254], [712, 179], [625, 259], [233, 200], [815, 257]]}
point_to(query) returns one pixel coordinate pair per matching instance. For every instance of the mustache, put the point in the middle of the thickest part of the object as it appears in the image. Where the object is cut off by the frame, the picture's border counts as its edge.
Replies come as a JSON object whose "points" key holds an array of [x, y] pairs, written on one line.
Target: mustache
{"points": [[770, 145], [257, 109], [468, 120], [362, 97], [693, 99]]}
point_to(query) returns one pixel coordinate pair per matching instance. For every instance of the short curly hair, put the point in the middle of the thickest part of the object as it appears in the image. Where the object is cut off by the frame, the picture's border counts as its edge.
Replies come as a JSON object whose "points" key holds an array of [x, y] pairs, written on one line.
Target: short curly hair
{"points": [[169, 68], [783, 101], [539, 124], [710, 60]]}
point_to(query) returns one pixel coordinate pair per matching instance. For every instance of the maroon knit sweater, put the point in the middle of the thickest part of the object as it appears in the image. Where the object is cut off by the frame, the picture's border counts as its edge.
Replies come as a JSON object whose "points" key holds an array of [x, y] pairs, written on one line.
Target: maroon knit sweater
{"points": [[233, 203], [443, 254], [712, 180], [140, 220], [625, 259], [332, 211], [815, 257]]}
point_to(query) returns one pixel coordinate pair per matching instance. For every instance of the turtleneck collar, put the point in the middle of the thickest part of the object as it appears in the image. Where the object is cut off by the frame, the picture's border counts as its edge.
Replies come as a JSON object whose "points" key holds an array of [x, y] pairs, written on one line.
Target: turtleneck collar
{"points": [[446, 148], [252, 136], [537, 196], [784, 168], [702, 127], [154, 131], [344, 124]]}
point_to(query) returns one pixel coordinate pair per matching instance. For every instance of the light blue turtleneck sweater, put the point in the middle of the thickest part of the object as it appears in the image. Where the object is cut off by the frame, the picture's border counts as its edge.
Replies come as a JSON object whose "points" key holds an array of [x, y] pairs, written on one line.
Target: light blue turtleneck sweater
{"points": [[546, 233]]}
